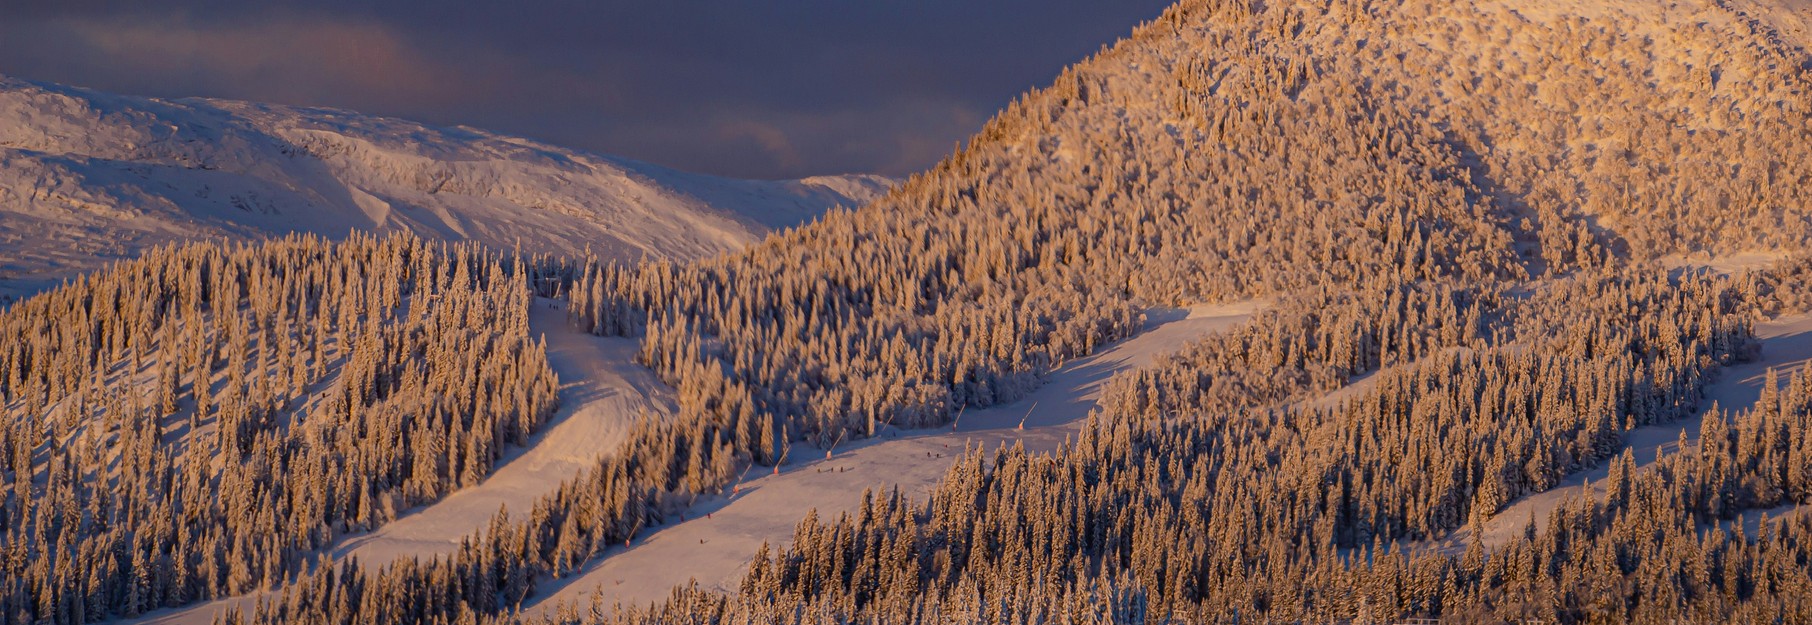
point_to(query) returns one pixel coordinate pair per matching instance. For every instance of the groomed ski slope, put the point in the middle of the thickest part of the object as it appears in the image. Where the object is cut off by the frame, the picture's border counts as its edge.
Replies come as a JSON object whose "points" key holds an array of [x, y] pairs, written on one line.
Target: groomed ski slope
{"points": [[1786, 348], [720, 536], [602, 393]]}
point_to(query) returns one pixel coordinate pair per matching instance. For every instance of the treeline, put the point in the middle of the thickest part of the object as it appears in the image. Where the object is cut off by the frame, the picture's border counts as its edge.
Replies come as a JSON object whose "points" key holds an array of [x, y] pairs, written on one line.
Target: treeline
{"points": [[196, 423]]}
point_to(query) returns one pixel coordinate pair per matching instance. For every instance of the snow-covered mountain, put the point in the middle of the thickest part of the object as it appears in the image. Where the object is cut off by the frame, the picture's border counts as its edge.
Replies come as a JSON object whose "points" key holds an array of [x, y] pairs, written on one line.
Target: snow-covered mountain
{"points": [[88, 177]]}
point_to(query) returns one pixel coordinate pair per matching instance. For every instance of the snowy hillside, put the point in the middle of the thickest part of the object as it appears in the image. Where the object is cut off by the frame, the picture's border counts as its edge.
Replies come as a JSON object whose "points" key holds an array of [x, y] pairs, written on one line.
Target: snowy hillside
{"points": [[87, 177]]}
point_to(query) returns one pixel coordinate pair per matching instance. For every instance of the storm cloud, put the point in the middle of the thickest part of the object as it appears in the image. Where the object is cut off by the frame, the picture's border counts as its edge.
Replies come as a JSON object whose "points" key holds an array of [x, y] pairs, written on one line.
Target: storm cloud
{"points": [[754, 89]]}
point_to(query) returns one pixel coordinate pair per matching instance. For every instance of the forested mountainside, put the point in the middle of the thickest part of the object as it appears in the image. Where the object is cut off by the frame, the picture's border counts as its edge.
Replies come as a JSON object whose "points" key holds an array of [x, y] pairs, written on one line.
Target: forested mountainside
{"points": [[1469, 203], [88, 177], [1235, 149], [1479, 190], [194, 424]]}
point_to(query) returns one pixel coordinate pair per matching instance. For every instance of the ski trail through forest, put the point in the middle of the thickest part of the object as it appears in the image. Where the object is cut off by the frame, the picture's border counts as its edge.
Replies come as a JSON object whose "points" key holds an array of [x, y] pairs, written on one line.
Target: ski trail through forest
{"points": [[1786, 348], [716, 539], [602, 393]]}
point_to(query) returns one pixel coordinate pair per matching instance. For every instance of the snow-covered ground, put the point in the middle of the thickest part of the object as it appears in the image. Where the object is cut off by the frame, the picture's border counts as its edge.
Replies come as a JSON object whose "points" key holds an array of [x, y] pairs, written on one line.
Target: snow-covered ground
{"points": [[719, 536], [89, 177], [1786, 348], [1729, 264]]}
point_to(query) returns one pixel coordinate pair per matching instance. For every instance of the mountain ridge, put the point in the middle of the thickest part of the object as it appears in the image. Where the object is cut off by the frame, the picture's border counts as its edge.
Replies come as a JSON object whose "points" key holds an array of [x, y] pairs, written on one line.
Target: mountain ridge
{"points": [[87, 177]]}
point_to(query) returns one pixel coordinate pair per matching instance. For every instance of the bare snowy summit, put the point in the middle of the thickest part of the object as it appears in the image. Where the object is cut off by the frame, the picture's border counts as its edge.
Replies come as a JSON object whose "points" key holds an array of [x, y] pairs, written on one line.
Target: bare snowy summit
{"points": [[89, 177]]}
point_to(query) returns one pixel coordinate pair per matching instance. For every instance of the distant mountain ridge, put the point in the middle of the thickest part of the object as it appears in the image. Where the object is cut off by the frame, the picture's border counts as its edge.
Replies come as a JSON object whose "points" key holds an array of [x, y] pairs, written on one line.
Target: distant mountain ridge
{"points": [[87, 177]]}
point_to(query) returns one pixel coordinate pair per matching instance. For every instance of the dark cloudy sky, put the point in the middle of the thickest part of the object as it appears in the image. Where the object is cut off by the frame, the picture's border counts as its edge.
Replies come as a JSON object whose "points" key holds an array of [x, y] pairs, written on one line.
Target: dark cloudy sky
{"points": [[771, 89]]}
